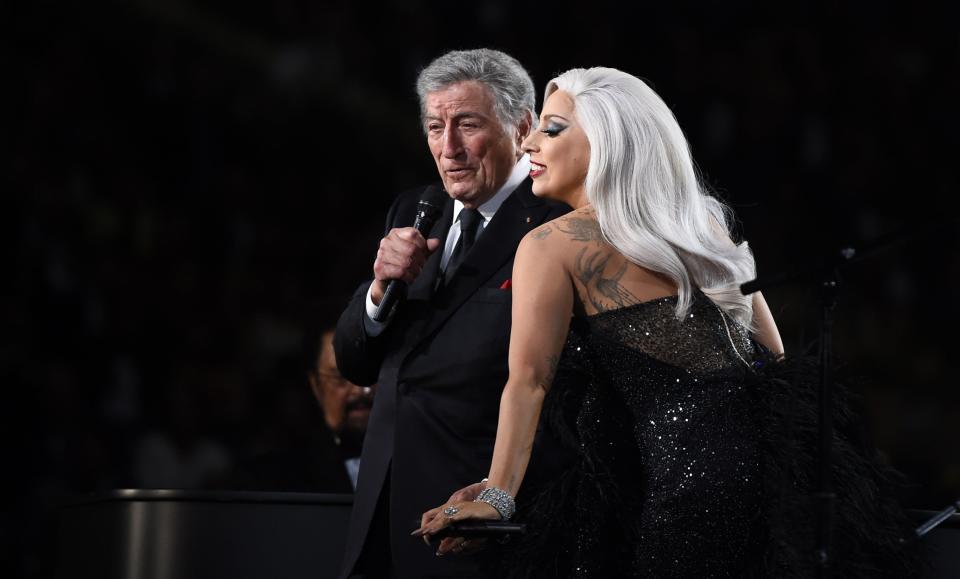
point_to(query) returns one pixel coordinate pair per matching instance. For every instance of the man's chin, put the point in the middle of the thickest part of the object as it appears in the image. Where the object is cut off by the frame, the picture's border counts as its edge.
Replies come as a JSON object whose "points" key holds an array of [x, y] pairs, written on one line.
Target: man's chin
{"points": [[357, 421], [462, 191]]}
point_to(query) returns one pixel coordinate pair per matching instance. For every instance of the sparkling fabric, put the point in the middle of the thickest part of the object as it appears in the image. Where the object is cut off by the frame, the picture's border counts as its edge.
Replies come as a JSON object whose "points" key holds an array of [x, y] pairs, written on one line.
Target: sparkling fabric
{"points": [[667, 483], [696, 457]]}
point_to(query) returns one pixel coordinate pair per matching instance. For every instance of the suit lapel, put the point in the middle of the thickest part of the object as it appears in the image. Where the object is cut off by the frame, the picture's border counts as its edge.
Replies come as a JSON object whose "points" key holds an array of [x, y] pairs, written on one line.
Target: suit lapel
{"points": [[519, 214]]}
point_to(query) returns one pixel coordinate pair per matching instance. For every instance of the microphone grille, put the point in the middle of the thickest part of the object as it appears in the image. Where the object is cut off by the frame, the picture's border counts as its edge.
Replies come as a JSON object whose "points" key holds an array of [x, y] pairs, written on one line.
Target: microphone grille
{"points": [[433, 195]]}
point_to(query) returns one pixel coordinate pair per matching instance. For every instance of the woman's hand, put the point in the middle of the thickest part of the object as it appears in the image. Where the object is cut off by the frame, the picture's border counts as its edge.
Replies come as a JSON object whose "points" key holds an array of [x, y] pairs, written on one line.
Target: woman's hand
{"points": [[468, 493], [440, 517]]}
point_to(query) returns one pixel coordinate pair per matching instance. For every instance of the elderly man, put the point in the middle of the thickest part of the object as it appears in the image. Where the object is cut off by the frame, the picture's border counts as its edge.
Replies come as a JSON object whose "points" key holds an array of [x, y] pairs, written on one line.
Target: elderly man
{"points": [[440, 360]]}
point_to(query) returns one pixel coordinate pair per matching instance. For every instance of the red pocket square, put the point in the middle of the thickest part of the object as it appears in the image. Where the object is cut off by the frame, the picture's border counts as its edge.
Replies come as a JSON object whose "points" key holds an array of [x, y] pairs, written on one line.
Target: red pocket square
{"points": [[506, 285]]}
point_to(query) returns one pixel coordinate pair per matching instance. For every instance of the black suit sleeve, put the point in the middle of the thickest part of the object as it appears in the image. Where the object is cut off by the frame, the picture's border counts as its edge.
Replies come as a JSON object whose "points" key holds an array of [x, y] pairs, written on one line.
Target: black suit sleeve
{"points": [[359, 355]]}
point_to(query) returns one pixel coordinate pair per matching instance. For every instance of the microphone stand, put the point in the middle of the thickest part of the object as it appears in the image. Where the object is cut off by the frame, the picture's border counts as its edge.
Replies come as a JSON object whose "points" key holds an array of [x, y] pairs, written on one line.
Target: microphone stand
{"points": [[825, 497], [826, 275], [937, 519]]}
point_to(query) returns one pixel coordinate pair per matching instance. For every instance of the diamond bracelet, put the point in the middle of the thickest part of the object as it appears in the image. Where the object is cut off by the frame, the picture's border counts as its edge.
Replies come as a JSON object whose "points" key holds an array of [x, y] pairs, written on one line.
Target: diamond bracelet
{"points": [[498, 499]]}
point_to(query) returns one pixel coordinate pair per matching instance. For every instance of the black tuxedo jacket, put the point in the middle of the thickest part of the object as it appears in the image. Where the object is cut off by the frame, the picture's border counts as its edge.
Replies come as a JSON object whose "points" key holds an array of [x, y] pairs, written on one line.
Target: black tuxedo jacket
{"points": [[440, 367]]}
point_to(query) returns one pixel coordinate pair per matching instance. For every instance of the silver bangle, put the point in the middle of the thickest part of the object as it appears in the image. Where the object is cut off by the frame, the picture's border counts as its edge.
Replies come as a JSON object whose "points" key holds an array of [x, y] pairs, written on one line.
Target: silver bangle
{"points": [[498, 499]]}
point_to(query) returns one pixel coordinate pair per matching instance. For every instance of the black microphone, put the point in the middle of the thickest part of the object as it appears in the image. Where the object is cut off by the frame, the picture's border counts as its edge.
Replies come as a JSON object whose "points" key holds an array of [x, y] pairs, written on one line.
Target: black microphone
{"points": [[429, 209]]}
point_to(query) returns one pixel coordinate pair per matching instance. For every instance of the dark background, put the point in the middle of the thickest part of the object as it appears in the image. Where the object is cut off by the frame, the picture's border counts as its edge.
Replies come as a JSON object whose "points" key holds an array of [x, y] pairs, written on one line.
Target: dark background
{"points": [[193, 184]]}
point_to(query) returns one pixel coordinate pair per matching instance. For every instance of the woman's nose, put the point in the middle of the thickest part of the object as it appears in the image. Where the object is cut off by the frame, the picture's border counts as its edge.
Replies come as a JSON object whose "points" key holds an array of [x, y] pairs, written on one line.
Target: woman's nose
{"points": [[530, 143]]}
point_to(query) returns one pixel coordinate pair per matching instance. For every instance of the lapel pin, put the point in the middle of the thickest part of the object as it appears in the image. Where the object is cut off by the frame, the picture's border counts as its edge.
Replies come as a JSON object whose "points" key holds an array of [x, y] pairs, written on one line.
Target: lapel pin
{"points": [[528, 220]]}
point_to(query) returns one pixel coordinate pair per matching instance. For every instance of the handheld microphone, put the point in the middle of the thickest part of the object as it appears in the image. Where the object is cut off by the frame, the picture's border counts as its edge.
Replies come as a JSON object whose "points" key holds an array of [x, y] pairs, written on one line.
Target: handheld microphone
{"points": [[429, 209]]}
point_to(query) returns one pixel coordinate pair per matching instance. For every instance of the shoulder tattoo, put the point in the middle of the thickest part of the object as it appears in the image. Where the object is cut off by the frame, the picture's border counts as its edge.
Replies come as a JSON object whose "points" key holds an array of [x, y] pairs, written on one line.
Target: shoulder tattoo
{"points": [[542, 232], [603, 290], [581, 229]]}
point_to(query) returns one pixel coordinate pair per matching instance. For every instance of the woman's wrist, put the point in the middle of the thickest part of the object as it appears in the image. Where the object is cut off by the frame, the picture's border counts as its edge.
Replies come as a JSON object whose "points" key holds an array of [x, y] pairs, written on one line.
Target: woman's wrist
{"points": [[499, 499]]}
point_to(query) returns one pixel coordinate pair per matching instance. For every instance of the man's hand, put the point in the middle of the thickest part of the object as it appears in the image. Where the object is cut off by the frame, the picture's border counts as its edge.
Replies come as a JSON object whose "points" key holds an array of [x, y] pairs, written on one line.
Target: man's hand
{"points": [[402, 254]]}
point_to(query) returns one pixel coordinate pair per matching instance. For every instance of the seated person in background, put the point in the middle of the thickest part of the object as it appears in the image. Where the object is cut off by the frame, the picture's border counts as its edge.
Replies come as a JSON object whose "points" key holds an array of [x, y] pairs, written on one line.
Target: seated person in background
{"points": [[311, 447], [345, 406]]}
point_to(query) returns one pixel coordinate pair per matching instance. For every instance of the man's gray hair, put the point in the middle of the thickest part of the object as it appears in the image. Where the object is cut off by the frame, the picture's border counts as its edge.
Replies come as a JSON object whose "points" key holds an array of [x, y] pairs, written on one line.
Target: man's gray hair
{"points": [[510, 84]]}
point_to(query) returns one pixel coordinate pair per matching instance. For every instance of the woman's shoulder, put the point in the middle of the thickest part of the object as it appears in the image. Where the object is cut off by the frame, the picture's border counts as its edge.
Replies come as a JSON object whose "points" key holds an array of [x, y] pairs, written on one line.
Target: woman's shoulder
{"points": [[578, 226], [567, 240]]}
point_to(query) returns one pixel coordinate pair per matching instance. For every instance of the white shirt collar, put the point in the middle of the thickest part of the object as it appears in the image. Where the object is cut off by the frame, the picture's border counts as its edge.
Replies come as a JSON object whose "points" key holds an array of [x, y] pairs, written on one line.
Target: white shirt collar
{"points": [[488, 209]]}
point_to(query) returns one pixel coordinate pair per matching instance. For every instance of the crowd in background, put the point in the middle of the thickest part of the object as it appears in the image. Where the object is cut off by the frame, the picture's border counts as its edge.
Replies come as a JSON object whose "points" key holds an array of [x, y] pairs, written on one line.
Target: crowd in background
{"points": [[195, 187]]}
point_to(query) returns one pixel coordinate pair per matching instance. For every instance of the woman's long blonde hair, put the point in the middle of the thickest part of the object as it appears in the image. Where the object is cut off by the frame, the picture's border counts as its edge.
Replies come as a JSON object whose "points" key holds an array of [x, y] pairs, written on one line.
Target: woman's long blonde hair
{"points": [[649, 201]]}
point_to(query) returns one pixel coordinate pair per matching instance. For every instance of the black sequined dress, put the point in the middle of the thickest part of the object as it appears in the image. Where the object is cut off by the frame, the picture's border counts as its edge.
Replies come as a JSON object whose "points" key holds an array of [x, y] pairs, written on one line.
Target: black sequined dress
{"points": [[689, 464]]}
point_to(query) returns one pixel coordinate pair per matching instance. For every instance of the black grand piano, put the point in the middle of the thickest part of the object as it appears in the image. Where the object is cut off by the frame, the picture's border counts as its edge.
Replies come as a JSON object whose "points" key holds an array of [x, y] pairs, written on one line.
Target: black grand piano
{"points": [[179, 534], [174, 534]]}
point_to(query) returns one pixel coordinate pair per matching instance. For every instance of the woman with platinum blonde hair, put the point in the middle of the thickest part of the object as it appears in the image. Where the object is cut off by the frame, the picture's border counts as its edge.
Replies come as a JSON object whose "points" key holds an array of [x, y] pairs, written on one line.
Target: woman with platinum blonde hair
{"points": [[631, 335]]}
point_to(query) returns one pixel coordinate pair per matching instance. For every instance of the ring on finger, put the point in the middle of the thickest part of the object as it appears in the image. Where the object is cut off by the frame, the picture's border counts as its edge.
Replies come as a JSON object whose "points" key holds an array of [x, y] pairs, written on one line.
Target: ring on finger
{"points": [[451, 511]]}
